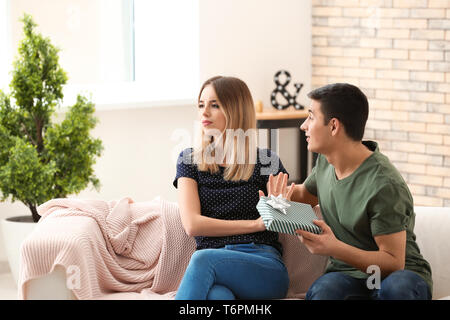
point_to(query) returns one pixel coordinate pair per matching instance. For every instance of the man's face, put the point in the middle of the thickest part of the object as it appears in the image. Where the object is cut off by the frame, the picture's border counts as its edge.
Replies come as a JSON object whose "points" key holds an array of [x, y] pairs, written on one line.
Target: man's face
{"points": [[318, 134]]}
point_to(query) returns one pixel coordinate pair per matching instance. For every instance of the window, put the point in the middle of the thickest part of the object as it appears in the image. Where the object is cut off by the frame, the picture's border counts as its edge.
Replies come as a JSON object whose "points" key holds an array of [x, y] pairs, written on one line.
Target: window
{"points": [[126, 53], [5, 58]]}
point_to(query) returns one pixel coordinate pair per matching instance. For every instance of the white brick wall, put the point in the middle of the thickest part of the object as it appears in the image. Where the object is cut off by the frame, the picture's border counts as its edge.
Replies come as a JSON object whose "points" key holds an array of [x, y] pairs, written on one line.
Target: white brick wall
{"points": [[398, 53]]}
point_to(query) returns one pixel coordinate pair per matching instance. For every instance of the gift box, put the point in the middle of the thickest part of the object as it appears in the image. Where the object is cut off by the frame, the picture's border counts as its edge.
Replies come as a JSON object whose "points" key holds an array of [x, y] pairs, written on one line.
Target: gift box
{"points": [[297, 216]]}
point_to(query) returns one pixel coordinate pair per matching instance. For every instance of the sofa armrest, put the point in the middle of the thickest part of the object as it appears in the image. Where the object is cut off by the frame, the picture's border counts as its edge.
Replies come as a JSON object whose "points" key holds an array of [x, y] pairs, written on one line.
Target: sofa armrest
{"points": [[57, 244], [431, 229], [51, 286]]}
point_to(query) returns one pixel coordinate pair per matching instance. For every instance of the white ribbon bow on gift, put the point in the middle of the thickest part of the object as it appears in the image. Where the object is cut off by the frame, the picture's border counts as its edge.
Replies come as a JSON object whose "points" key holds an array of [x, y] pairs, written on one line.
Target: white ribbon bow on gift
{"points": [[278, 203]]}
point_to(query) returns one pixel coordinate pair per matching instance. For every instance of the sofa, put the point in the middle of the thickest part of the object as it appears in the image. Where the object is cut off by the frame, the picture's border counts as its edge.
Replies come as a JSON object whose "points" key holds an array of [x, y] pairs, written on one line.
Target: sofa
{"points": [[431, 228]]}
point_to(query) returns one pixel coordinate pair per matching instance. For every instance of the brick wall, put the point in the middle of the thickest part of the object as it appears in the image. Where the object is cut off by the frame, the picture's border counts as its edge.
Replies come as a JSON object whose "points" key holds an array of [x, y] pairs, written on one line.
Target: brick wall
{"points": [[398, 53]]}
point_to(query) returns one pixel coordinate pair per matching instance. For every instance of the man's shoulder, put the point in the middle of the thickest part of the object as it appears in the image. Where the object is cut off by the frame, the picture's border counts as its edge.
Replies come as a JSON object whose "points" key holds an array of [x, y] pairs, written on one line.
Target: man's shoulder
{"points": [[385, 180], [386, 170]]}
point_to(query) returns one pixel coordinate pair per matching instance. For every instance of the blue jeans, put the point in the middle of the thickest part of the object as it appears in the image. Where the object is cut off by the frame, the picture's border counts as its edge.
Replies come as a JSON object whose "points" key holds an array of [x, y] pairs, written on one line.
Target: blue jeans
{"points": [[239, 271], [399, 285]]}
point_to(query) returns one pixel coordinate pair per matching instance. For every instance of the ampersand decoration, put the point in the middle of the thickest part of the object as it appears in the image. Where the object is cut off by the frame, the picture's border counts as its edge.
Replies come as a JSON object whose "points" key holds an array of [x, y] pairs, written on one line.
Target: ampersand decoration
{"points": [[281, 89]]}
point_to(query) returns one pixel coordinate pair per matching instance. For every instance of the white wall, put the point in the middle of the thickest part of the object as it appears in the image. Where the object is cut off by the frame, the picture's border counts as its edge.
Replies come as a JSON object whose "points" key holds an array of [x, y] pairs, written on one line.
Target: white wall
{"points": [[253, 39], [250, 39]]}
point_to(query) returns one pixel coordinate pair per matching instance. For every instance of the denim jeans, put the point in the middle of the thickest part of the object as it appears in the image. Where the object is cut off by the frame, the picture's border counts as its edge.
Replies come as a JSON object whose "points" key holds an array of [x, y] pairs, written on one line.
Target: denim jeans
{"points": [[238, 271], [399, 285]]}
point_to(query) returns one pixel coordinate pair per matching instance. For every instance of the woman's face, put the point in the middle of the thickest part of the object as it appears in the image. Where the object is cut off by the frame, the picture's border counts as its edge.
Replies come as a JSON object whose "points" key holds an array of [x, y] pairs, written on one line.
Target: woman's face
{"points": [[209, 112]]}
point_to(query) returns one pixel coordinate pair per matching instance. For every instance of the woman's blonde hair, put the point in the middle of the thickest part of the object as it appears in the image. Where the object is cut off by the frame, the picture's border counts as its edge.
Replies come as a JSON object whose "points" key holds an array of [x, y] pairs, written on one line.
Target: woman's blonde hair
{"points": [[236, 102]]}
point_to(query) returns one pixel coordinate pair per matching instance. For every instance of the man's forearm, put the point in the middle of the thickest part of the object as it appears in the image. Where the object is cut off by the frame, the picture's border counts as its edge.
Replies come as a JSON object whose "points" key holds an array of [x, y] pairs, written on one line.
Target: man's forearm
{"points": [[300, 194], [362, 259]]}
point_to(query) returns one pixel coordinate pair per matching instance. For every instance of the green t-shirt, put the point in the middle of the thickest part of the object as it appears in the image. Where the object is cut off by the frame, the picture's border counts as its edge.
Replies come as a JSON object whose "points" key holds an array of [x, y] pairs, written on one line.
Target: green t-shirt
{"points": [[373, 200]]}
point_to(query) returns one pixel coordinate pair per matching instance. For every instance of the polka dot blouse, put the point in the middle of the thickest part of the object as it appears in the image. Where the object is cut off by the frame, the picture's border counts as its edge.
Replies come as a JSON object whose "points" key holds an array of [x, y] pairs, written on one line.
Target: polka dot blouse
{"points": [[231, 200]]}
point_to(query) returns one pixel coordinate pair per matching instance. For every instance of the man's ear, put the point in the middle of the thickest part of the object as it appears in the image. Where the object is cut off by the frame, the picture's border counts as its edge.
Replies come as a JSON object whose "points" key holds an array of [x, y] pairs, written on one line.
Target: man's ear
{"points": [[335, 126]]}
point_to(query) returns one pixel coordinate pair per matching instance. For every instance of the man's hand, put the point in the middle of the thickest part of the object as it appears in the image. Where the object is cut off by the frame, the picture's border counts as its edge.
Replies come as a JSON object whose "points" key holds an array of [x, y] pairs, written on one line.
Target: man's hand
{"points": [[323, 244], [278, 185]]}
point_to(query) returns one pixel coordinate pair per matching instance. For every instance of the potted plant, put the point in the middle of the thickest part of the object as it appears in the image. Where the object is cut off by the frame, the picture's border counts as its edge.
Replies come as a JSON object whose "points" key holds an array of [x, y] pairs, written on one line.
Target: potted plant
{"points": [[40, 159]]}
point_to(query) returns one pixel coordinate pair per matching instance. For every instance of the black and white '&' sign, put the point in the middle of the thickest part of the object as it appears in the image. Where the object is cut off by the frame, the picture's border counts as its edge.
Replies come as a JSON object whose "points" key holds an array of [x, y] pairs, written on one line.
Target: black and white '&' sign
{"points": [[280, 89]]}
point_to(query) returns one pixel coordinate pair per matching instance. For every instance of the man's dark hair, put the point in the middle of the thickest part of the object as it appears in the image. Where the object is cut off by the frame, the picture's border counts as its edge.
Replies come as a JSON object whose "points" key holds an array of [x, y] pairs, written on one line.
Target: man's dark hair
{"points": [[345, 102]]}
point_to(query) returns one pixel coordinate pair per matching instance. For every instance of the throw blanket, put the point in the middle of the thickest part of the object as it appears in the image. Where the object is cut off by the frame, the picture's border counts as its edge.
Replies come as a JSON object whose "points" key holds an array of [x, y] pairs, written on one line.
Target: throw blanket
{"points": [[141, 246], [127, 250]]}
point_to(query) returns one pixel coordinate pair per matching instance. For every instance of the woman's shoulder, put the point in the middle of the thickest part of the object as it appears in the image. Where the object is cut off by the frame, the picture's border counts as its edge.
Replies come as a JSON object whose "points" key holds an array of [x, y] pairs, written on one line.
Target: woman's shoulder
{"points": [[265, 155], [269, 162], [186, 156], [187, 151]]}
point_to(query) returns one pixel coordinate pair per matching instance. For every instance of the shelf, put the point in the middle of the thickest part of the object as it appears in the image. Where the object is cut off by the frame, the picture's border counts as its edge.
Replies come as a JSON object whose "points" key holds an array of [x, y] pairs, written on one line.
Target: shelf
{"points": [[273, 114]]}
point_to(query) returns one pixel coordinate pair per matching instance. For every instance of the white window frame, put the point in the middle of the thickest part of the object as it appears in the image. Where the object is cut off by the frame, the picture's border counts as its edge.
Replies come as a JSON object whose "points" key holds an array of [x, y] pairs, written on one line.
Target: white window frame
{"points": [[106, 96], [127, 94], [116, 96]]}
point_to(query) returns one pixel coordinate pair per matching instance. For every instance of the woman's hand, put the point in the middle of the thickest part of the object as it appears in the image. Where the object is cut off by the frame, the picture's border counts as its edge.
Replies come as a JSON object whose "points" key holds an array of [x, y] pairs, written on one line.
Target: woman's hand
{"points": [[278, 185], [259, 225]]}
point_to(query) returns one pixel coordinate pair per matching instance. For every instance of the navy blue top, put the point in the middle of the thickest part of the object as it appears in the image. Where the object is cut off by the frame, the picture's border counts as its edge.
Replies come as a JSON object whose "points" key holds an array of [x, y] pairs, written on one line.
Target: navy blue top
{"points": [[231, 200]]}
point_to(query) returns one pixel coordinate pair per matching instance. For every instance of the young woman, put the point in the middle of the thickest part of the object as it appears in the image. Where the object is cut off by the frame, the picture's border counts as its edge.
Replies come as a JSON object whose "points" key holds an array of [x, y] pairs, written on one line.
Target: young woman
{"points": [[219, 183]]}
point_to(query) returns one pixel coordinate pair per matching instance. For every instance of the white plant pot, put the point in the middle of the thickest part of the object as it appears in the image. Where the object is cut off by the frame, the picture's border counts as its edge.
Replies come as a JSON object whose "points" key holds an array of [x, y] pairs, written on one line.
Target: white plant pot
{"points": [[15, 230]]}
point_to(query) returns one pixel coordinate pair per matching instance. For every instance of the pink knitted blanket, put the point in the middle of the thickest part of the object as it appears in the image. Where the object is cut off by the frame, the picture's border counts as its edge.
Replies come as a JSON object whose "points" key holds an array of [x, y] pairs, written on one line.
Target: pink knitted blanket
{"points": [[142, 247], [127, 250]]}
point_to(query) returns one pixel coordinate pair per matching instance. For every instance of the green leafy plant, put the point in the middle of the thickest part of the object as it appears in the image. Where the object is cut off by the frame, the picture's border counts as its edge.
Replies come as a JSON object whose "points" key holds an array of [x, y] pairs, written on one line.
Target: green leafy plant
{"points": [[41, 160]]}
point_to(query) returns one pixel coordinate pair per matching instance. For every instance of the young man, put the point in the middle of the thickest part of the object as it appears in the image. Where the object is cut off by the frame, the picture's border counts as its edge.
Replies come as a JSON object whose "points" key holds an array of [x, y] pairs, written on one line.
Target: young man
{"points": [[367, 209]]}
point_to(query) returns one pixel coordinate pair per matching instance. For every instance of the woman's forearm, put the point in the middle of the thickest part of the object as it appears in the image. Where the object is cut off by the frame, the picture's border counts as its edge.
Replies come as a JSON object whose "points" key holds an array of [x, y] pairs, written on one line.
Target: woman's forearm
{"points": [[210, 227]]}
